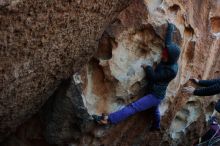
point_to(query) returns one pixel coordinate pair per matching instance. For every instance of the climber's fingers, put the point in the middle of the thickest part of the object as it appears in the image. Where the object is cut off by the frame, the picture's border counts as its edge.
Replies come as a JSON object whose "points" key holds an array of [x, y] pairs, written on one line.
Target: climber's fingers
{"points": [[188, 90], [194, 80]]}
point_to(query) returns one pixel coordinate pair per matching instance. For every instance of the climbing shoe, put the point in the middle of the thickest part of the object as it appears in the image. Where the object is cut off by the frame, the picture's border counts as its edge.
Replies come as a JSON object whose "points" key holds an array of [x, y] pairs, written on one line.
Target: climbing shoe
{"points": [[102, 120]]}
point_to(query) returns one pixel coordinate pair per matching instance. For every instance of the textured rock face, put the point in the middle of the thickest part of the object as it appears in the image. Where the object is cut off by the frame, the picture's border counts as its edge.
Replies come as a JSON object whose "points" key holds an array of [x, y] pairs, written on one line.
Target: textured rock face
{"points": [[41, 43], [113, 78]]}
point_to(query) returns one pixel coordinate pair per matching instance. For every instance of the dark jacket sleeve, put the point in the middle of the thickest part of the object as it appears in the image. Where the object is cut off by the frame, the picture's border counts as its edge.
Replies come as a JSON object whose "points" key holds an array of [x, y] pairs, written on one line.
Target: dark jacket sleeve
{"points": [[169, 33], [207, 91], [208, 82], [159, 76]]}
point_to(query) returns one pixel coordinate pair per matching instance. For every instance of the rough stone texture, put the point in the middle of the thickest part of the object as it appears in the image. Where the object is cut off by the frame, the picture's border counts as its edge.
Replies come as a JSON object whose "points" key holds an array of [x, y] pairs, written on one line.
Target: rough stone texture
{"points": [[64, 116], [137, 37], [114, 78], [41, 43]]}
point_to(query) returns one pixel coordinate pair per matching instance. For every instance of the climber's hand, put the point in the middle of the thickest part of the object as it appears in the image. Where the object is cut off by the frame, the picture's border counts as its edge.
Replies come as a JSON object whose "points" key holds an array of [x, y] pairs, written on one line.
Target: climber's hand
{"points": [[169, 21], [188, 90], [170, 26], [194, 80], [143, 65]]}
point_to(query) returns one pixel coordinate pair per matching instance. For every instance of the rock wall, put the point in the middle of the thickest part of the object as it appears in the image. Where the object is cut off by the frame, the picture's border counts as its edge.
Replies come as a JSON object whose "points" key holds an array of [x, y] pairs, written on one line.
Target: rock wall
{"points": [[137, 37], [113, 78], [43, 42]]}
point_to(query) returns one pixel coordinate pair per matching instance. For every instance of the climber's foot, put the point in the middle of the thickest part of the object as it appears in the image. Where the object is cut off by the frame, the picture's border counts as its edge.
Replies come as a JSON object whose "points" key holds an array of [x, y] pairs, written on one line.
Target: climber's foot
{"points": [[101, 120]]}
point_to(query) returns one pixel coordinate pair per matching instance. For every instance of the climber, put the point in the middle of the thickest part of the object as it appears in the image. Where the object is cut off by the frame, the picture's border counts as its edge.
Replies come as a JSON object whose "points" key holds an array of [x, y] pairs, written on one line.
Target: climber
{"points": [[212, 136], [210, 87], [158, 79]]}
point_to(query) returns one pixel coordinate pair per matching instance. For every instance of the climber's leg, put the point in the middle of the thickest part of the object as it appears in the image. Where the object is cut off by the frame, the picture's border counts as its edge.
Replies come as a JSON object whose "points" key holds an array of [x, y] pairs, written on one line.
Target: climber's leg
{"points": [[156, 118], [141, 104]]}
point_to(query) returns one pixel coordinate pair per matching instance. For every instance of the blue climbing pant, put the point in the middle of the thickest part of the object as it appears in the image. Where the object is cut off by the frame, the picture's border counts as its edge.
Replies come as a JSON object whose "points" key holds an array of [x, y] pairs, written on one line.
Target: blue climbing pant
{"points": [[144, 103]]}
